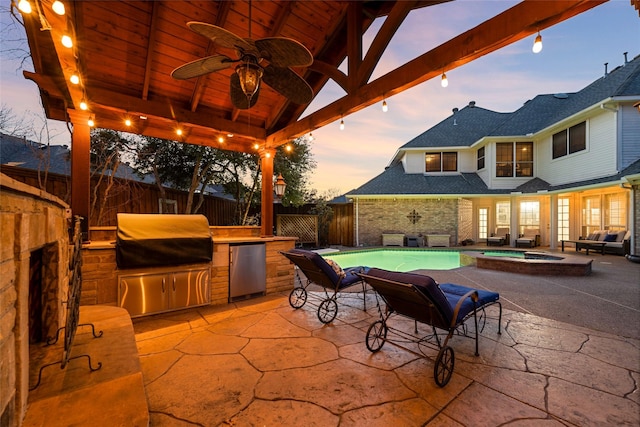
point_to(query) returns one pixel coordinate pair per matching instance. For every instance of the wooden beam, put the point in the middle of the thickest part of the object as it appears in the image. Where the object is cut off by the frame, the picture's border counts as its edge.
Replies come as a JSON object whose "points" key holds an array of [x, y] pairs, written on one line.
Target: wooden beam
{"points": [[152, 42], [516, 23], [354, 43]]}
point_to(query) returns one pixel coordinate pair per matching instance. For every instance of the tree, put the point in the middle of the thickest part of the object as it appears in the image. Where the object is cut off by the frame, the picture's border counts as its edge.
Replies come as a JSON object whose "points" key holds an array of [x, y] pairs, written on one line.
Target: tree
{"points": [[295, 162]]}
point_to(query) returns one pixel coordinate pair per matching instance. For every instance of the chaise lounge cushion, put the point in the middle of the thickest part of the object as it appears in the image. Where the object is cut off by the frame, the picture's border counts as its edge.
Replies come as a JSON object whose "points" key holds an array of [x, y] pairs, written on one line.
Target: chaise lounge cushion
{"points": [[454, 292]]}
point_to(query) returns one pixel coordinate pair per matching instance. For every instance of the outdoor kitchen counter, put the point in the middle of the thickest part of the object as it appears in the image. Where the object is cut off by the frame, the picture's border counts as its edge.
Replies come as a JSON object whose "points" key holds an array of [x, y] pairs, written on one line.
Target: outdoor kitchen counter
{"points": [[100, 273]]}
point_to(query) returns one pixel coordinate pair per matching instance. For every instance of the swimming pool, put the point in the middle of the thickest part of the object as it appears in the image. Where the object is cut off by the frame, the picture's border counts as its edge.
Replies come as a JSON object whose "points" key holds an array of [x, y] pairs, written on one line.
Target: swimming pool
{"points": [[398, 259]]}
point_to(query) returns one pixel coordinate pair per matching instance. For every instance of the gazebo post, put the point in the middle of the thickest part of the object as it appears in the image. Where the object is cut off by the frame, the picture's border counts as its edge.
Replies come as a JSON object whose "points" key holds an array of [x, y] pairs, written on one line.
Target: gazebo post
{"points": [[266, 210], [81, 168]]}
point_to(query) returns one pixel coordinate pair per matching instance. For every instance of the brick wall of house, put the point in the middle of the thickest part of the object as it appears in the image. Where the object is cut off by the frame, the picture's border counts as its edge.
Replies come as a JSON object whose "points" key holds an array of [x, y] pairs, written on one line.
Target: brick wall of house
{"points": [[406, 216]]}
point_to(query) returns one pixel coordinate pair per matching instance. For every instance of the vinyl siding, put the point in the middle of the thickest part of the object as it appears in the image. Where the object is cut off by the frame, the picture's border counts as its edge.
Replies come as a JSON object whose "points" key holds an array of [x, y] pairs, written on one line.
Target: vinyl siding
{"points": [[598, 160], [629, 135]]}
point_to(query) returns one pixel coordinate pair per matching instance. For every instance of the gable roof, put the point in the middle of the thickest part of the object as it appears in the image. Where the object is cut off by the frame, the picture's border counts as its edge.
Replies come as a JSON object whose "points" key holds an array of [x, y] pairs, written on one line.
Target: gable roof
{"points": [[468, 125]]}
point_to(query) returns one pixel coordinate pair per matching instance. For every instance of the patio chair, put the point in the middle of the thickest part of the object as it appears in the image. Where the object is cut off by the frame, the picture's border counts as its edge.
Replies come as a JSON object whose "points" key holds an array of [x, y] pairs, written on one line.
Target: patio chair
{"points": [[419, 297], [499, 238], [328, 275], [530, 238]]}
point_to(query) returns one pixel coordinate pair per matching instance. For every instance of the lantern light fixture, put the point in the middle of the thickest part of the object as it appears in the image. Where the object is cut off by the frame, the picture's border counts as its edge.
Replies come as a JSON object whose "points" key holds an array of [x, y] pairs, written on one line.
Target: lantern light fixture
{"points": [[279, 186]]}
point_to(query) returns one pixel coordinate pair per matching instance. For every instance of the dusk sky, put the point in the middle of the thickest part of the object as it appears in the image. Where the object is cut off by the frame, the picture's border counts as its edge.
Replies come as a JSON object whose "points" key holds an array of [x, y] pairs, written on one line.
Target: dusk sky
{"points": [[573, 56]]}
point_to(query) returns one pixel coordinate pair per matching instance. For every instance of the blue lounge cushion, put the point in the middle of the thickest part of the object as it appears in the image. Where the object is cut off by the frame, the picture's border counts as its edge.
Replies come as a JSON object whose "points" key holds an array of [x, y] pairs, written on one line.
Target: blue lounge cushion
{"points": [[351, 277], [610, 237], [454, 292]]}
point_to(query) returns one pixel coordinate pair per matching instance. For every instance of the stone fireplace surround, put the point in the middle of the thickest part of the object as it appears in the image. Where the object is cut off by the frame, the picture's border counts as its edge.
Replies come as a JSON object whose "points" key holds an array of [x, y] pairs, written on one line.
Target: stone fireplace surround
{"points": [[30, 221]]}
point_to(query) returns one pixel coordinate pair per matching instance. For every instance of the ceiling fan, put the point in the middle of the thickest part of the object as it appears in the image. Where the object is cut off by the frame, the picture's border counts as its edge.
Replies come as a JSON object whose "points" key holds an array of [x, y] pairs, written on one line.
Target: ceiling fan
{"points": [[266, 59]]}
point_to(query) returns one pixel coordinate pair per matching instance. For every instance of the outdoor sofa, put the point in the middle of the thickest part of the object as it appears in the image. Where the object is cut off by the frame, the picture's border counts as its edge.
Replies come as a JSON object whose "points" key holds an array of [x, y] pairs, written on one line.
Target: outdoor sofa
{"points": [[615, 242]]}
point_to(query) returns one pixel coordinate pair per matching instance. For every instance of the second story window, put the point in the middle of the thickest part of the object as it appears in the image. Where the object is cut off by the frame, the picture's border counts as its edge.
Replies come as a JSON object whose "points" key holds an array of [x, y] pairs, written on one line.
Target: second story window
{"points": [[441, 162], [480, 158], [570, 140], [514, 159]]}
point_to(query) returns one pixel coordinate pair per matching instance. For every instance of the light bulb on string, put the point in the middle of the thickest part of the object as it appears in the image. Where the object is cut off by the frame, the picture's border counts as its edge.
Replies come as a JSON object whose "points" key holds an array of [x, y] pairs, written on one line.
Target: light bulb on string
{"points": [[67, 41], [341, 124], [537, 44], [24, 6], [385, 107], [83, 105], [75, 79], [58, 7], [444, 82], [91, 122]]}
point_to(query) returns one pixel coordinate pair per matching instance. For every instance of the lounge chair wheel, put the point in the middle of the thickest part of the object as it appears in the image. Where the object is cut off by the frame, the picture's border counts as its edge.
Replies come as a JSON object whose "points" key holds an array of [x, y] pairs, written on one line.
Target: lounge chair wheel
{"points": [[297, 297], [327, 310], [444, 366], [376, 336]]}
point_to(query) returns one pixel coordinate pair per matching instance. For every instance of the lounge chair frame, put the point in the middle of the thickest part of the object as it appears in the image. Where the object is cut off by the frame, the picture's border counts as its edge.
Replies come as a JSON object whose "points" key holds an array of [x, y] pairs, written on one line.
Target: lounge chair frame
{"points": [[309, 264], [406, 300]]}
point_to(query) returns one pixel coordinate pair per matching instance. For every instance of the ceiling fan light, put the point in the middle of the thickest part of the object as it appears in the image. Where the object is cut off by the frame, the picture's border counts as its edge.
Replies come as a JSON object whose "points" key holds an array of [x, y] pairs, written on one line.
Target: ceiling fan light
{"points": [[24, 6], [250, 75], [58, 7]]}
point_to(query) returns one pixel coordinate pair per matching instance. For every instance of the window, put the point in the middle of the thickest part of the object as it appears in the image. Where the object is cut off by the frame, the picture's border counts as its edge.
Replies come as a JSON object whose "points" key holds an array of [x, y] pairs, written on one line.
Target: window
{"points": [[503, 214], [441, 162], [570, 140], [529, 215], [524, 158], [563, 219], [506, 152], [483, 225], [590, 215], [481, 158], [615, 214], [504, 159]]}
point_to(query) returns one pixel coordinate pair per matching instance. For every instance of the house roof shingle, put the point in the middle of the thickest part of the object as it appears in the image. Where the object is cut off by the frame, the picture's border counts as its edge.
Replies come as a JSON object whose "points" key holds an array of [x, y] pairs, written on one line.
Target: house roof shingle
{"points": [[470, 124]]}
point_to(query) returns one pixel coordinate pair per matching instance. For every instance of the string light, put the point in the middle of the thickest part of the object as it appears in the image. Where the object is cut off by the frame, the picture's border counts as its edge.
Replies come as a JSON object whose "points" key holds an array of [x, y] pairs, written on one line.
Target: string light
{"points": [[444, 82], [256, 145], [341, 124], [179, 131], [385, 107], [288, 147], [310, 136], [83, 105], [220, 139], [24, 6], [58, 7], [537, 44], [67, 41], [75, 79], [91, 122], [127, 122]]}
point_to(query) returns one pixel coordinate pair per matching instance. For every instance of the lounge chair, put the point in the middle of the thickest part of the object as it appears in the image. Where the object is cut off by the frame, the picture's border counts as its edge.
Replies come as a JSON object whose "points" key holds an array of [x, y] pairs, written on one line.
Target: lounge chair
{"points": [[326, 274], [499, 238], [419, 297], [530, 238]]}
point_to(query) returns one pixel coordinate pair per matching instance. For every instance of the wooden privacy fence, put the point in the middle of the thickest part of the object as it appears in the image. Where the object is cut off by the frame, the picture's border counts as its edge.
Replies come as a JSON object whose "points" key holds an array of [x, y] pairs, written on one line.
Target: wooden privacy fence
{"points": [[341, 227], [304, 227], [126, 196]]}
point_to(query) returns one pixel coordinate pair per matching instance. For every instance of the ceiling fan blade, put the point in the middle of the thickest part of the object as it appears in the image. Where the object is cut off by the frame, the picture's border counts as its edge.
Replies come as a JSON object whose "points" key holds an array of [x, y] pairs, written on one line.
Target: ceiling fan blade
{"points": [[238, 98], [202, 66], [220, 36], [288, 83], [283, 52]]}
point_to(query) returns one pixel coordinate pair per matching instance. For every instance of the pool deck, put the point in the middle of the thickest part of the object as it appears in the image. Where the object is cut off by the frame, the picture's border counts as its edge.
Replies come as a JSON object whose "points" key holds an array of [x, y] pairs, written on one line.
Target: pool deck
{"points": [[569, 355]]}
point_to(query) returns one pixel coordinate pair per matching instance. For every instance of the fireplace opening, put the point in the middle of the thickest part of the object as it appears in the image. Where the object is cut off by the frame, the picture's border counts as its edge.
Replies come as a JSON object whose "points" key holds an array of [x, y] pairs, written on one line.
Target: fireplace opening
{"points": [[36, 298]]}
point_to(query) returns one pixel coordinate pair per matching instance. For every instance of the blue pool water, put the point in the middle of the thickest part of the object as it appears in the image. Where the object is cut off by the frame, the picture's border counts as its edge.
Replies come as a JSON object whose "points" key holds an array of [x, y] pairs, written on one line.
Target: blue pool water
{"points": [[398, 259]]}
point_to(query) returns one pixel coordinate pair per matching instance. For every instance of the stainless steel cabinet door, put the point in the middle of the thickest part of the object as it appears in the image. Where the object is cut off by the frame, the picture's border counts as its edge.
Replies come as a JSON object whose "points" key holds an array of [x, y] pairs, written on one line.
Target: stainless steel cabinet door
{"points": [[144, 293], [189, 288]]}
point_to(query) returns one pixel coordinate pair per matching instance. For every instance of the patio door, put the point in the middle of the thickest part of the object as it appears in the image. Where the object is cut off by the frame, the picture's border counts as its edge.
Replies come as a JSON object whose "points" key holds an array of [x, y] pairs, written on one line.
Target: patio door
{"points": [[483, 223]]}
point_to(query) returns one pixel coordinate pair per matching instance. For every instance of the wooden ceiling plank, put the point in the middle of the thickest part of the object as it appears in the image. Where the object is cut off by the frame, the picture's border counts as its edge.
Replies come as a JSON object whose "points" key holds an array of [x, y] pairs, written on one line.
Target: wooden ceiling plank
{"points": [[520, 21], [152, 43]]}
